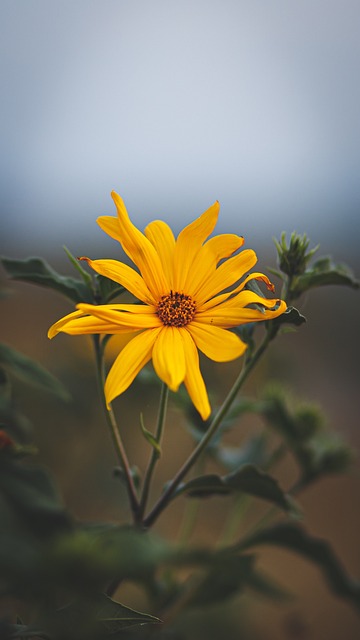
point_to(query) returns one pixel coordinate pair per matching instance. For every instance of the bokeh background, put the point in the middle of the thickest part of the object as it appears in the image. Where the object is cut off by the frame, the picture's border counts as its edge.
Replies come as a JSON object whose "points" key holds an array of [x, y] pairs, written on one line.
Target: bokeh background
{"points": [[173, 105]]}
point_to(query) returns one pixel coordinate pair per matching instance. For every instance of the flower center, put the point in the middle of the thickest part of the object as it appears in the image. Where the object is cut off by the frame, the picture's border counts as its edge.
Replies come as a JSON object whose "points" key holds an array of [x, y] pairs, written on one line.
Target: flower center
{"points": [[176, 309]]}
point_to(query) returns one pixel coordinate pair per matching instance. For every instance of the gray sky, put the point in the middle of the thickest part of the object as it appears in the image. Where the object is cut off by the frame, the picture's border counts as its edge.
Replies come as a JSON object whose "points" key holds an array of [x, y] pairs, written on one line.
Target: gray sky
{"points": [[176, 104]]}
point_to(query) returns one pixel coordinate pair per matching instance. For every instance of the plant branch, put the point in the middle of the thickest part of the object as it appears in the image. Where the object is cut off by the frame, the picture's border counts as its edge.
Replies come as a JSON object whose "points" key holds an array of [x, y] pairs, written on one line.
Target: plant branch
{"points": [[115, 433], [166, 497], [155, 454]]}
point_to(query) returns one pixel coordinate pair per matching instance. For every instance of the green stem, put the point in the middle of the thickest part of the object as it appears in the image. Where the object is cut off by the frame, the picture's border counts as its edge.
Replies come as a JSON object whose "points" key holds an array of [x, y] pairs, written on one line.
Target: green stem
{"points": [[214, 425], [155, 454], [115, 433]]}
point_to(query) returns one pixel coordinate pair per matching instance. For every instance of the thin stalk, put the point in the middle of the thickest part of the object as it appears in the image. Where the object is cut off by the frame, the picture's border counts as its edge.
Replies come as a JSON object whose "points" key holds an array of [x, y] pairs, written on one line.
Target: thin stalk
{"points": [[115, 433], [168, 493], [191, 511], [155, 454]]}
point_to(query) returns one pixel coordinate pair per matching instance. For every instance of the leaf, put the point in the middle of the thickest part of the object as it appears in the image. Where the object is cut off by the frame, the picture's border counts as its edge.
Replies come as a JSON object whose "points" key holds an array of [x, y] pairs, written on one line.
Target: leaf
{"points": [[290, 316], [32, 497], [267, 587], [295, 538], [97, 619], [324, 272], [38, 271], [108, 289], [150, 437], [224, 580], [115, 616], [248, 479], [31, 371], [253, 452]]}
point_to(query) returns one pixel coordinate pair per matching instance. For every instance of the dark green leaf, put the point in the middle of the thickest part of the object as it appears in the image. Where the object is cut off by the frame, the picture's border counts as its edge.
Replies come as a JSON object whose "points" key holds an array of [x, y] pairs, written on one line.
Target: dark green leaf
{"points": [[37, 271], [248, 479], [225, 579], [108, 289], [267, 587], [149, 436], [253, 452], [293, 537], [30, 371], [31, 495], [324, 272], [290, 316], [95, 619]]}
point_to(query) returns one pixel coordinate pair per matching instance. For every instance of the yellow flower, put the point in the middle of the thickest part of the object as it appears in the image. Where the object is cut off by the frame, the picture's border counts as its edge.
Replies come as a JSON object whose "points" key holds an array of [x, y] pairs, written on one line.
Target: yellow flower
{"points": [[181, 286]]}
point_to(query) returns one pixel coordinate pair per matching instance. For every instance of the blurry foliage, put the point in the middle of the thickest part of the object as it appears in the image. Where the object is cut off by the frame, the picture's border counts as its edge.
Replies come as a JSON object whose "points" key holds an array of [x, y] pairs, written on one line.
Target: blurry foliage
{"points": [[67, 571]]}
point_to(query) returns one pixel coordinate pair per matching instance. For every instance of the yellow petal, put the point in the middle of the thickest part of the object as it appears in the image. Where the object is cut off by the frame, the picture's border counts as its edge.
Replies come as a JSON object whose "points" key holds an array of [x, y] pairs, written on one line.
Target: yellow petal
{"points": [[138, 248], [188, 243], [87, 325], [224, 245], [162, 238], [111, 226], [169, 358], [202, 270], [216, 343], [58, 326], [129, 362], [213, 302], [226, 275], [233, 313], [194, 381], [118, 315], [124, 275]]}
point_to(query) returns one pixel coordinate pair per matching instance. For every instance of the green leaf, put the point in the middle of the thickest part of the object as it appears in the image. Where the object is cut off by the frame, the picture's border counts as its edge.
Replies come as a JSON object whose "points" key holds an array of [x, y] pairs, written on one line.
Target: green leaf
{"points": [[265, 586], [31, 372], [253, 452], [96, 619], [317, 451], [108, 289], [293, 537], [290, 316], [224, 580], [150, 437], [324, 272], [38, 271], [248, 479], [32, 497]]}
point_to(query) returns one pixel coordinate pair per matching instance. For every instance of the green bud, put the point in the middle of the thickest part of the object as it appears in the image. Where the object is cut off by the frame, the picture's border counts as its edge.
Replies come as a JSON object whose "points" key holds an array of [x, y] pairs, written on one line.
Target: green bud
{"points": [[294, 258]]}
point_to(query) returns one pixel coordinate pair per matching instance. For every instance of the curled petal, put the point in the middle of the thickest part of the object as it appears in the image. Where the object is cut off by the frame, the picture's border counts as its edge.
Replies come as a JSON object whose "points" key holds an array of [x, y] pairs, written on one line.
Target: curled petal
{"points": [[229, 314], [213, 302], [60, 324], [226, 275]]}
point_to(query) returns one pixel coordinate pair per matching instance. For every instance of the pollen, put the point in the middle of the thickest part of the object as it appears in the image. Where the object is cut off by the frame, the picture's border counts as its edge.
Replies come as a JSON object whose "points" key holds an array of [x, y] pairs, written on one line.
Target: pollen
{"points": [[176, 309]]}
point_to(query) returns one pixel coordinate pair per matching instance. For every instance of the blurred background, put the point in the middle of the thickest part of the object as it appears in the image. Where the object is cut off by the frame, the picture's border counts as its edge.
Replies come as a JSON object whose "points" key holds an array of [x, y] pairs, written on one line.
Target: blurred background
{"points": [[175, 105]]}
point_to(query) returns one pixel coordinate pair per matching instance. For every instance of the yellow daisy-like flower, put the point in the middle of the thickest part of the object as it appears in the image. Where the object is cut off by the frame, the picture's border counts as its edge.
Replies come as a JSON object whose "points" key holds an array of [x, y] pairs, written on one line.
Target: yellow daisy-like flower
{"points": [[184, 308]]}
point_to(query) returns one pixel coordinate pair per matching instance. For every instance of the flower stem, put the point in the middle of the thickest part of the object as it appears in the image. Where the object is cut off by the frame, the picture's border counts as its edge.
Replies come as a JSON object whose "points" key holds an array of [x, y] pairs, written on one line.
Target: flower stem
{"points": [[155, 454], [214, 425], [115, 433]]}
